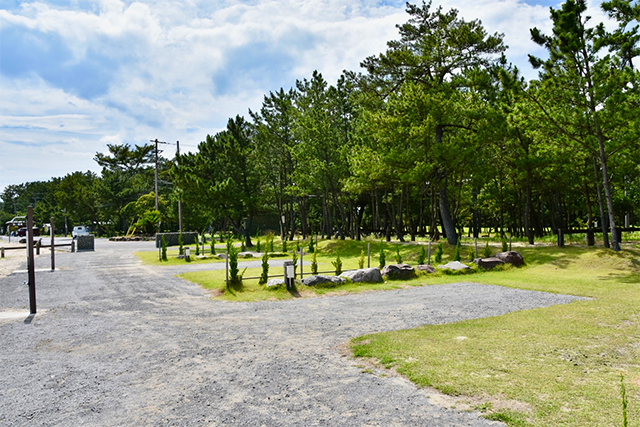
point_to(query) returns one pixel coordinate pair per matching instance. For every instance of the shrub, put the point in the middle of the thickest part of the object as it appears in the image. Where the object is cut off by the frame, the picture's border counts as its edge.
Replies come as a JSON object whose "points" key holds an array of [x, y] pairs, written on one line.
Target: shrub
{"points": [[383, 258], [422, 255], [264, 277], [235, 278], [197, 246], [361, 260], [242, 246], [213, 246], [295, 263], [472, 253], [439, 252], [284, 244], [505, 245], [314, 262], [164, 249], [258, 245], [181, 247], [269, 243], [486, 252], [398, 256], [312, 245], [337, 264], [298, 245], [456, 251]]}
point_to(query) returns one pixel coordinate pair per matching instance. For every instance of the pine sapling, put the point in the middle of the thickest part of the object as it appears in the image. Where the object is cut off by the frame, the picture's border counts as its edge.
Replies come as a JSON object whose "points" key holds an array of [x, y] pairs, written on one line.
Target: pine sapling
{"points": [[422, 256], [312, 245], [284, 245], [264, 277], [258, 245], [361, 260], [337, 264], [383, 258], [486, 252], [456, 251], [197, 246], [295, 262], [213, 246], [505, 244], [398, 256], [164, 249], [439, 252], [180, 244]]}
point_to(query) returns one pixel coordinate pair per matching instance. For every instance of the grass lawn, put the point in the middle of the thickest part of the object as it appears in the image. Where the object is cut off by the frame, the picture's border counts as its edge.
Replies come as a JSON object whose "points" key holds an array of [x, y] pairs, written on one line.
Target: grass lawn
{"points": [[556, 366]]}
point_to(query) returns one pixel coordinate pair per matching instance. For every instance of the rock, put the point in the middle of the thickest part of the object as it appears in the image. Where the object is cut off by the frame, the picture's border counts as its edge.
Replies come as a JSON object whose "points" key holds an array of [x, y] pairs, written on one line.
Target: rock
{"points": [[368, 275], [322, 280], [399, 271], [511, 257], [454, 266], [246, 254], [275, 283], [488, 263], [426, 267]]}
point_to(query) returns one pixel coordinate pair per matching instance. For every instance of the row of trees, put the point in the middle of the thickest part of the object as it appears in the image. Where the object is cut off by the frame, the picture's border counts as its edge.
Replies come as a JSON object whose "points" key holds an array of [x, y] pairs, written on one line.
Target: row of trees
{"points": [[437, 133]]}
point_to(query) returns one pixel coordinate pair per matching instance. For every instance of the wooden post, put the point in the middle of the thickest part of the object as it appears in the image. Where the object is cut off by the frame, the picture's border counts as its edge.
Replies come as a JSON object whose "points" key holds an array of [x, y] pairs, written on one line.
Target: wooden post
{"points": [[1, 252], [301, 264], [73, 246], [53, 250], [38, 247], [30, 261]]}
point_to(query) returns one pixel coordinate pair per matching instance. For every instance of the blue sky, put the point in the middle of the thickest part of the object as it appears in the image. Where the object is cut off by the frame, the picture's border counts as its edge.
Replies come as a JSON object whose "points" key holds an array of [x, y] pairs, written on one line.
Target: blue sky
{"points": [[76, 75]]}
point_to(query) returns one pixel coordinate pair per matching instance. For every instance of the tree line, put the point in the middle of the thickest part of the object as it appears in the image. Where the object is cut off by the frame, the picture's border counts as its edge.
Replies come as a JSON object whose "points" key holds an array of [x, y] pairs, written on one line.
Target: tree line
{"points": [[438, 134]]}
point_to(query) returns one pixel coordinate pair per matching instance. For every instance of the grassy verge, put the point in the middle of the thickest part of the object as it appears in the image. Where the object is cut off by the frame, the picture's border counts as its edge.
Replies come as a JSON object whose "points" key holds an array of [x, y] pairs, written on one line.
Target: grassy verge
{"points": [[151, 257], [556, 366]]}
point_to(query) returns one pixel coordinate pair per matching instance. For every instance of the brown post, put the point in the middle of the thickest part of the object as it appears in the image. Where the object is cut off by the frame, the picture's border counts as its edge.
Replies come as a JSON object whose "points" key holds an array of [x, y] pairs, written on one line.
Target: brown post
{"points": [[38, 247], [1, 252], [30, 261], [53, 250]]}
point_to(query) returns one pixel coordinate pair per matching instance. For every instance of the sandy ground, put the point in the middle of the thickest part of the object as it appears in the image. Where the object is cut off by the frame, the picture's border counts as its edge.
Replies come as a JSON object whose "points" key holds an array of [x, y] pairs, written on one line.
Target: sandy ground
{"points": [[118, 343]]}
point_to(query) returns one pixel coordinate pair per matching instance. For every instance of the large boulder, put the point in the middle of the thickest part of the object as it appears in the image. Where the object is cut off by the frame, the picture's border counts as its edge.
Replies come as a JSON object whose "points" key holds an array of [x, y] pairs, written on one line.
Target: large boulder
{"points": [[511, 257], [426, 268], [368, 275], [454, 266], [488, 263], [322, 280], [399, 271]]}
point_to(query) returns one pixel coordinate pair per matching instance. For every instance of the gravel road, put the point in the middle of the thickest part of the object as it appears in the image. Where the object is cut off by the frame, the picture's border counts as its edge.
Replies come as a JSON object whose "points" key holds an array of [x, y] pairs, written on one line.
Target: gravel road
{"points": [[117, 343]]}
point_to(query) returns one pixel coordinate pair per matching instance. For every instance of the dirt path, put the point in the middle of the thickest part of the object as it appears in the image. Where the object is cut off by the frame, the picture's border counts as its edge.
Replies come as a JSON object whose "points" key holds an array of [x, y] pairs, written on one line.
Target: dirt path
{"points": [[116, 343]]}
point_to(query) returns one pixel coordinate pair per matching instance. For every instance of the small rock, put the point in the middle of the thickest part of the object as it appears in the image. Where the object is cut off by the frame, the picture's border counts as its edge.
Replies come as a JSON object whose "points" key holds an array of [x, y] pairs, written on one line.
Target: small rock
{"points": [[488, 263], [368, 275], [399, 271], [322, 280], [426, 267], [511, 257], [454, 266]]}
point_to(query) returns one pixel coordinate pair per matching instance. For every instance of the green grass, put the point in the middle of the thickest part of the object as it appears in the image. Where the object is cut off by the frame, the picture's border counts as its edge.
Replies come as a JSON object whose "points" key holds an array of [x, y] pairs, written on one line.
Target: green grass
{"points": [[555, 366], [151, 257]]}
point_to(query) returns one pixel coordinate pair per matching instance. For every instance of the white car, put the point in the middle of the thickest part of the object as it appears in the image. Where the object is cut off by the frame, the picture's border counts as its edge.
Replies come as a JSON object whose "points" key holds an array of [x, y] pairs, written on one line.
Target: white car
{"points": [[79, 230]]}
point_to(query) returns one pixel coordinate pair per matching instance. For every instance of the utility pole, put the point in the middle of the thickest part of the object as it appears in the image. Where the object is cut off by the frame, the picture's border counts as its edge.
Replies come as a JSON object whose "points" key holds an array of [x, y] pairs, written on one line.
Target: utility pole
{"points": [[179, 193]]}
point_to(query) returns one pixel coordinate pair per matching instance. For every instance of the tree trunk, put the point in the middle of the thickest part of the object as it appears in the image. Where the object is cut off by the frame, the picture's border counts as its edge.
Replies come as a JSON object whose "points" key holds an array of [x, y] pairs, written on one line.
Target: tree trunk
{"points": [[615, 243], [445, 214], [603, 218]]}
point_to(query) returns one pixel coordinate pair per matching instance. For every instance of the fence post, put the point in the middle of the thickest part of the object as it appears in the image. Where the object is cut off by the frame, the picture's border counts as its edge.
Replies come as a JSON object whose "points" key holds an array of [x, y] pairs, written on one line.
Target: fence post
{"points": [[73, 246], [1, 252], [38, 247]]}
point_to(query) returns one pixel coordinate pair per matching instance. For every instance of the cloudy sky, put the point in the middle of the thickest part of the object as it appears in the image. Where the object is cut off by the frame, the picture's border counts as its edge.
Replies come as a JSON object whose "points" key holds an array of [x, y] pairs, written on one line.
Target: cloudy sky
{"points": [[76, 75]]}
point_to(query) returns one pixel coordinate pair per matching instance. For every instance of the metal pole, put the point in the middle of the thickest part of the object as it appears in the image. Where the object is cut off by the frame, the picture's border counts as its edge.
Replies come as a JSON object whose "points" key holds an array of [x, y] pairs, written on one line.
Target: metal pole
{"points": [[30, 261], [53, 251], [369, 255]]}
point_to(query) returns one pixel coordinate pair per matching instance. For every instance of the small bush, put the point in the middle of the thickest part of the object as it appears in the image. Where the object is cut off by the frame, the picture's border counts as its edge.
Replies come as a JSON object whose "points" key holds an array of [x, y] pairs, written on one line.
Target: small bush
{"points": [[258, 245], [213, 246], [456, 251], [270, 236], [505, 244], [284, 245], [264, 277], [294, 258], [235, 278], [312, 245], [439, 252], [472, 253], [242, 246], [337, 264], [180, 245], [486, 252], [422, 255], [398, 256], [361, 260], [197, 246], [314, 262], [383, 258]]}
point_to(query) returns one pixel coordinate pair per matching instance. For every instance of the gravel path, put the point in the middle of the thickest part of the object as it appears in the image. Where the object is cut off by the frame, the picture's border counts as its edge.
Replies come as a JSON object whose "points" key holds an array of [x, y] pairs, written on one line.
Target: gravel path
{"points": [[117, 343]]}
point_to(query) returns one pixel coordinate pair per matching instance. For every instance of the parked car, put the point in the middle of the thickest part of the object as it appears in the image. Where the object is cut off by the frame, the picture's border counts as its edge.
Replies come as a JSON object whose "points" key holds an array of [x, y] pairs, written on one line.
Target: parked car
{"points": [[79, 230], [22, 232]]}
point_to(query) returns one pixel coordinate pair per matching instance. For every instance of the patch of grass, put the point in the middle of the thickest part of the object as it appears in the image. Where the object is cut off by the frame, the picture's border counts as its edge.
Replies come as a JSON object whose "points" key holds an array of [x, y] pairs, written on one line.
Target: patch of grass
{"points": [[561, 365], [151, 258]]}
